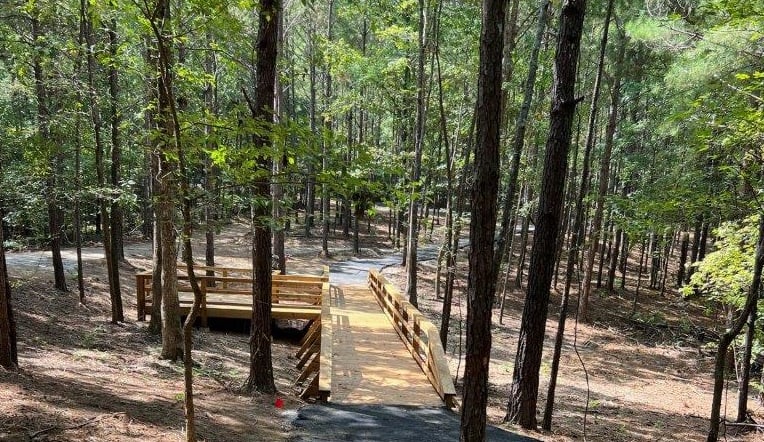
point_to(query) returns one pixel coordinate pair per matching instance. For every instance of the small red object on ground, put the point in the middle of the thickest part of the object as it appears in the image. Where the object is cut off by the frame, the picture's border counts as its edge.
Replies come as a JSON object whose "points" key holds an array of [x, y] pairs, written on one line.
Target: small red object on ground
{"points": [[279, 402]]}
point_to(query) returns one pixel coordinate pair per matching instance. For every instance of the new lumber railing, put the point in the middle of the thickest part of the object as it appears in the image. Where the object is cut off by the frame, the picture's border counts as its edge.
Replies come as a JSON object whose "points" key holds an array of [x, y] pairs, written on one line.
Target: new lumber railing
{"points": [[315, 353], [293, 296], [419, 335]]}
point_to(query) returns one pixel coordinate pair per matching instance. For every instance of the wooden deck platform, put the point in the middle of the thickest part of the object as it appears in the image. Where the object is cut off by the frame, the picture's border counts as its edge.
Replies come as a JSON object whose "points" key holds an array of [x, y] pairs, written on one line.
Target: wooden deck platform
{"points": [[370, 364], [366, 345], [227, 293]]}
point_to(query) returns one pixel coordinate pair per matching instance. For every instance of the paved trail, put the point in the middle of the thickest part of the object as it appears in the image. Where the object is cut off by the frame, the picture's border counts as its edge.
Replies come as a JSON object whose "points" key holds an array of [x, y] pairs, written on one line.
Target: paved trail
{"points": [[384, 423]]}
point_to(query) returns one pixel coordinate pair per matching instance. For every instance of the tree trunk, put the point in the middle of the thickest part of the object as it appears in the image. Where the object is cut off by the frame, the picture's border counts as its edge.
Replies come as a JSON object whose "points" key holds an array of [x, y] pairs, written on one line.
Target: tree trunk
{"points": [[640, 267], [416, 171], [624, 259], [570, 194], [574, 248], [8, 353], [745, 369], [524, 389], [310, 191], [454, 232], [188, 325], [325, 144], [112, 261], [277, 188], [519, 138], [210, 170], [583, 308], [698, 231], [167, 186], [523, 250], [614, 259], [77, 216], [261, 364], [43, 126], [606, 247], [703, 242], [155, 322], [117, 218], [481, 285], [732, 332], [685, 244]]}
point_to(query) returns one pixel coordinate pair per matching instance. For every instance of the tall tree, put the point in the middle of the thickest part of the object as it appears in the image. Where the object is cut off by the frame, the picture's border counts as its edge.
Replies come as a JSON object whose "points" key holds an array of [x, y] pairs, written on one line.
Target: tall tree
{"points": [[8, 353], [112, 265], [481, 284], [523, 393], [45, 112], [583, 307], [261, 364], [727, 338], [167, 181], [518, 140], [116, 217], [416, 166], [326, 140]]}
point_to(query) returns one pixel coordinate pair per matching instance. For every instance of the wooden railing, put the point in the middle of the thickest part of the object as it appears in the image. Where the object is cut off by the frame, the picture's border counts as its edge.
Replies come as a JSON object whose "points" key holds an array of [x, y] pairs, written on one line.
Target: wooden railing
{"points": [[315, 354], [419, 335], [293, 296]]}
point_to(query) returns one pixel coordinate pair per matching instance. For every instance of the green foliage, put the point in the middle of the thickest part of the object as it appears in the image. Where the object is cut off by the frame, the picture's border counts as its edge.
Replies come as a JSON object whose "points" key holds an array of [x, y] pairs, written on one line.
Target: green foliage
{"points": [[725, 275]]}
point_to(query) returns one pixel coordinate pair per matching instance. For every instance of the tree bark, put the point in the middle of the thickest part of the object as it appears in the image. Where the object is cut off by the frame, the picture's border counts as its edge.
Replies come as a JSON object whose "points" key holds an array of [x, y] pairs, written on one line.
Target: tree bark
{"points": [[261, 364], [416, 170], [745, 367], [166, 183], [112, 264], [117, 218], [583, 307], [685, 244], [698, 231], [524, 389], [326, 141], [518, 140], [481, 285], [210, 169], [727, 338], [8, 352], [43, 126]]}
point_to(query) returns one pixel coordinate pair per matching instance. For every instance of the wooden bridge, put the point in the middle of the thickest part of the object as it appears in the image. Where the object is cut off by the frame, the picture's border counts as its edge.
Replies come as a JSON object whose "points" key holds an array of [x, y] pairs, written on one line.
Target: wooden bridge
{"points": [[366, 344]]}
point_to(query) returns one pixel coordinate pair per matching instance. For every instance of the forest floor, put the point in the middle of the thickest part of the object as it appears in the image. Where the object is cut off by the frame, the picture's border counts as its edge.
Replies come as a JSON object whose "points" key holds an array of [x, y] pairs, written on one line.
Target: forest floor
{"points": [[83, 378]]}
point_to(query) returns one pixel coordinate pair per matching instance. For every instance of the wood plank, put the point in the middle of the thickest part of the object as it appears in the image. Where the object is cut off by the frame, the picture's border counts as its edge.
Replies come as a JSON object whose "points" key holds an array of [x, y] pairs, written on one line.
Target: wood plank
{"points": [[312, 390], [369, 364], [312, 350], [245, 311], [315, 327], [309, 370], [310, 342], [418, 334], [327, 354]]}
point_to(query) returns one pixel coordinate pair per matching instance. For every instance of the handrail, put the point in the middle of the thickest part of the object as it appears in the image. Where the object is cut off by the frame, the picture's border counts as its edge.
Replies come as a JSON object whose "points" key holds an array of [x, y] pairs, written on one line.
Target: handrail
{"points": [[325, 364], [419, 335], [291, 288]]}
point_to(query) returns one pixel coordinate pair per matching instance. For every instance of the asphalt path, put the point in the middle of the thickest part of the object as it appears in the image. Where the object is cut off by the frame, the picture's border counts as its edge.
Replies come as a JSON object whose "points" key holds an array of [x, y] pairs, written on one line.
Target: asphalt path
{"points": [[354, 271], [383, 423]]}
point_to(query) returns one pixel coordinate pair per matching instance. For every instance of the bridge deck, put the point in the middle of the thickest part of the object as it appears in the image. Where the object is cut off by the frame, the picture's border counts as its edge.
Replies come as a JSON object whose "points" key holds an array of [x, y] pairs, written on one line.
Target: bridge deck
{"points": [[370, 363]]}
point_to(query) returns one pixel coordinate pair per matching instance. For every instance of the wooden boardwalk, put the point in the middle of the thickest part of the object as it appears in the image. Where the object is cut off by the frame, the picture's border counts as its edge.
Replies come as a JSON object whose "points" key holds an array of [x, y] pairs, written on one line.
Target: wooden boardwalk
{"points": [[370, 364]]}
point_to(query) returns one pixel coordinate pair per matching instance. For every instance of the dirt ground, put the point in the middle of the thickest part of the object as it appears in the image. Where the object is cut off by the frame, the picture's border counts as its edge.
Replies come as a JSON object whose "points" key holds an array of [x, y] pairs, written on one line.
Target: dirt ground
{"points": [[647, 377], [85, 379]]}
